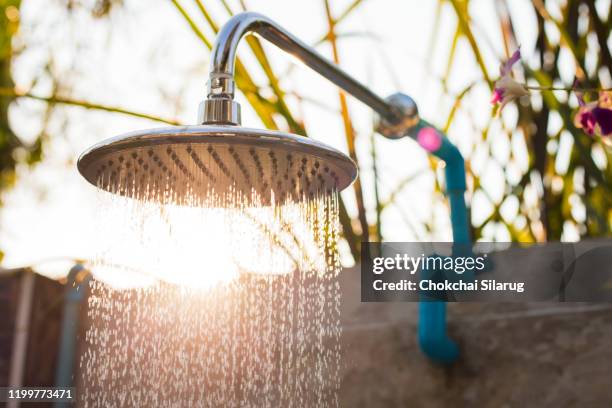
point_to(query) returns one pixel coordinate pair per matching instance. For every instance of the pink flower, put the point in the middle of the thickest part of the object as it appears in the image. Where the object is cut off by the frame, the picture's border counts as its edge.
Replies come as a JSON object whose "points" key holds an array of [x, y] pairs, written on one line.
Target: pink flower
{"points": [[595, 117], [506, 88], [429, 139]]}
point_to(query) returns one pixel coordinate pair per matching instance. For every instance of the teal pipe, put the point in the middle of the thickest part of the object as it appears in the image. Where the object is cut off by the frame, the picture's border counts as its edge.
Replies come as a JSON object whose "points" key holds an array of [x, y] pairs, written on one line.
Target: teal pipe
{"points": [[432, 329]]}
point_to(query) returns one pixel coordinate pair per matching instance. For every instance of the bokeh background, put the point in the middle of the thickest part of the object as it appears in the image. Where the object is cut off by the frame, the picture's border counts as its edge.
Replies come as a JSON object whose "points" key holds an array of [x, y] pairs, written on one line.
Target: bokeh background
{"points": [[74, 72]]}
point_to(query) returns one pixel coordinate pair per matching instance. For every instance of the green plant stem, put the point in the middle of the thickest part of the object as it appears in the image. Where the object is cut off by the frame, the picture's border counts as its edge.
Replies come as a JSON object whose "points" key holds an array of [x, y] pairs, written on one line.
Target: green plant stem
{"points": [[54, 99], [553, 88], [461, 10], [565, 36], [348, 129]]}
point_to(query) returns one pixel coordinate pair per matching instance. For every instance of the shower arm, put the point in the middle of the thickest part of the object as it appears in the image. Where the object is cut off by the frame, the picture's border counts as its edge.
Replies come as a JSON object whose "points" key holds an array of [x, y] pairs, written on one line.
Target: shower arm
{"points": [[397, 117]]}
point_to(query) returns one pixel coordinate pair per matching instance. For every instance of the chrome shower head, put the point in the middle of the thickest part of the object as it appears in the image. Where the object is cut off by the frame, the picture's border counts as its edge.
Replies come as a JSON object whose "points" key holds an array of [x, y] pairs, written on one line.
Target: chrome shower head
{"points": [[229, 165], [221, 160]]}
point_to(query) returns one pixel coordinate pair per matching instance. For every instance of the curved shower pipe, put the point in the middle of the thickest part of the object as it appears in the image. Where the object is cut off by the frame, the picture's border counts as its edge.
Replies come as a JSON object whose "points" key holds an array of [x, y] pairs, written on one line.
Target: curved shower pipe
{"points": [[398, 118]]}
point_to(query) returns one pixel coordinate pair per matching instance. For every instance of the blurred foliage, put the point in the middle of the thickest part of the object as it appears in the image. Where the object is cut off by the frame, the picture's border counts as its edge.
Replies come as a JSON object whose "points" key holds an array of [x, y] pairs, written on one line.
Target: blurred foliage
{"points": [[12, 150], [577, 195], [9, 24], [584, 184]]}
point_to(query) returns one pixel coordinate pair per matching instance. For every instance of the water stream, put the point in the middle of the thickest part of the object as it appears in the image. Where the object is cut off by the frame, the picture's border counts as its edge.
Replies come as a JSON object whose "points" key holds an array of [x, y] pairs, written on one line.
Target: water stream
{"points": [[213, 305]]}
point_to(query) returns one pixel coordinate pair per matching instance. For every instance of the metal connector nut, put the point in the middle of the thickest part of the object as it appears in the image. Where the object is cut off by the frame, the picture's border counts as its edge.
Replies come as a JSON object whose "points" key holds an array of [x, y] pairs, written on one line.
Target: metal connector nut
{"points": [[408, 113], [219, 111]]}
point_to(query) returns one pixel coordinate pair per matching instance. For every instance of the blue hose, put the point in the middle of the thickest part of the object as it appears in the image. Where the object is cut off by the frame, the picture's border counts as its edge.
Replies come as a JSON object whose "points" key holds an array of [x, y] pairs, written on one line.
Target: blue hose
{"points": [[432, 329]]}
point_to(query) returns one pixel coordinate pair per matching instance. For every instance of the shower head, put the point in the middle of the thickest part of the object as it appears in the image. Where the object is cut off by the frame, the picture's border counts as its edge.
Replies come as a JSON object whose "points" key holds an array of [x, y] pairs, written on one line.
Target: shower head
{"points": [[222, 161], [188, 165]]}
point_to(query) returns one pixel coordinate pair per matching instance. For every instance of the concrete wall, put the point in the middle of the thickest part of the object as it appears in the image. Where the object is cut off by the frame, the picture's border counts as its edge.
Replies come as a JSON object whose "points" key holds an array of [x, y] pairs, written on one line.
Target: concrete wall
{"points": [[513, 355]]}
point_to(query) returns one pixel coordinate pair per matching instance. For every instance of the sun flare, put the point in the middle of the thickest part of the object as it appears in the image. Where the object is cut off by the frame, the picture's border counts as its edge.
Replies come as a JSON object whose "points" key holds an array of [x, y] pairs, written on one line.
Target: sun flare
{"points": [[145, 242]]}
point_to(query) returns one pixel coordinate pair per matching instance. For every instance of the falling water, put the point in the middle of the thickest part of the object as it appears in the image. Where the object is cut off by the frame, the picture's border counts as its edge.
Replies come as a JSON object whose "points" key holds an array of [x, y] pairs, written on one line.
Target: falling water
{"points": [[207, 297]]}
